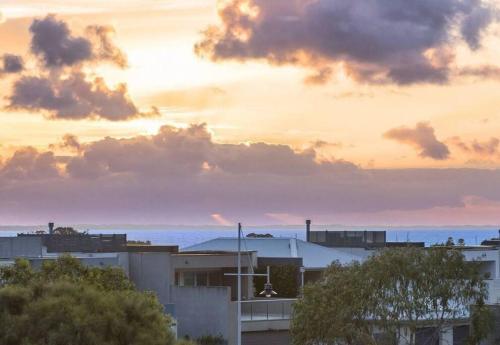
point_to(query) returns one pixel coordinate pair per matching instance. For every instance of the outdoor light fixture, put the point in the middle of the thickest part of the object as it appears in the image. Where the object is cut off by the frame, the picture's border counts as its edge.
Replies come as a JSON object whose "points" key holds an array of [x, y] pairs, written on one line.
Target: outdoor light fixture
{"points": [[268, 287], [268, 290]]}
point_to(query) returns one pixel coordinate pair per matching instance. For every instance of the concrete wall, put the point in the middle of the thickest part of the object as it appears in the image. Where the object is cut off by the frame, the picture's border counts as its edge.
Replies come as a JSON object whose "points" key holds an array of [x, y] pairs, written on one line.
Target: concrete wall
{"points": [[266, 338], [186, 260], [204, 311], [92, 261], [265, 325], [12, 247], [152, 272]]}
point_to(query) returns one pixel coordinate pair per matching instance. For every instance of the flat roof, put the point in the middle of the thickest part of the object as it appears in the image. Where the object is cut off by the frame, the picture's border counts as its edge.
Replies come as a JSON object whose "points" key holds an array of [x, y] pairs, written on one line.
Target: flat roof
{"points": [[148, 248]]}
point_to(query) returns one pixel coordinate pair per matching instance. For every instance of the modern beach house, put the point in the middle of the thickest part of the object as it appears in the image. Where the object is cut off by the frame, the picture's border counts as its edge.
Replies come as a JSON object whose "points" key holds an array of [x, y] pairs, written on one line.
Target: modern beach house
{"points": [[197, 285]]}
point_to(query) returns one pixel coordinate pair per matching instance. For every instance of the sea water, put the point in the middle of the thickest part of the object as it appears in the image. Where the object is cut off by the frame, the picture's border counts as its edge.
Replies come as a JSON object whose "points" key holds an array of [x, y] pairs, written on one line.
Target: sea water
{"points": [[185, 236]]}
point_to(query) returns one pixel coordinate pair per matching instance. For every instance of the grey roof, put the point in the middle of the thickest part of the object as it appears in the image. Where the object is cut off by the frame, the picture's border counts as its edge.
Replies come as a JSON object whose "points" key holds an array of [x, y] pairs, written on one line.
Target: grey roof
{"points": [[313, 255]]}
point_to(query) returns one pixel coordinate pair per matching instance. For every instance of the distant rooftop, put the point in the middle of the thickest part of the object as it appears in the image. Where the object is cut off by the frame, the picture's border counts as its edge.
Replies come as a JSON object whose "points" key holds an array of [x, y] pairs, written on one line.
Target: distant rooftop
{"points": [[313, 256], [82, 242]]}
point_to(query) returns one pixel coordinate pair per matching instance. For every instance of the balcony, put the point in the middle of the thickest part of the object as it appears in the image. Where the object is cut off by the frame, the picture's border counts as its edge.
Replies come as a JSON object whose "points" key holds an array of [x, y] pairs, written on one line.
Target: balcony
{"points": [[266, 309]]}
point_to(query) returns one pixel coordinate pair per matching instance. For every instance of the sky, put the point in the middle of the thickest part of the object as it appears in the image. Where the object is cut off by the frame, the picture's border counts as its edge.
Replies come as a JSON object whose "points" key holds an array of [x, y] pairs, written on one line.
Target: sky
{"points": [[261, 111]]}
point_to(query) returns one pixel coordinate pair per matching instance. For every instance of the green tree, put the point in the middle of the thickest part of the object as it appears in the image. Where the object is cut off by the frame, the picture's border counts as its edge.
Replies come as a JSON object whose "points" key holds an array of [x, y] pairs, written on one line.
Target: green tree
{"points": [[65, 268], [284, 279], [66, 231], [67, 303], [390, 296]]}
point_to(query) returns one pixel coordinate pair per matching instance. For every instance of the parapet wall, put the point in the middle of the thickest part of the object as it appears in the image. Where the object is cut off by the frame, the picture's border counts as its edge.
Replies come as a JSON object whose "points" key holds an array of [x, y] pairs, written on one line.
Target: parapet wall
{"points": [[202, 311]]}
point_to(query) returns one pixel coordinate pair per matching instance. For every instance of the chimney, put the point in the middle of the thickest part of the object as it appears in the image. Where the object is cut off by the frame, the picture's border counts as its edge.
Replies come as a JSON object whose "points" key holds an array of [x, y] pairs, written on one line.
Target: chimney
{"points": [[308, 230], [51, 228]]}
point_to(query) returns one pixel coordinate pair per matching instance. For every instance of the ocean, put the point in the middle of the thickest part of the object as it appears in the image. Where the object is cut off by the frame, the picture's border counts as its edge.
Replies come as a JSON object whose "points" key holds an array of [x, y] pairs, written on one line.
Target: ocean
{"points": [[185, 236]]}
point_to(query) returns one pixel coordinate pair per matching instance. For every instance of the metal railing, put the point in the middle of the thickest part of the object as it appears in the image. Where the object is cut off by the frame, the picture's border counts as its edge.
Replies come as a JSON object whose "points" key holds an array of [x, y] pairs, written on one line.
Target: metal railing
{"points": [[266, 309]]}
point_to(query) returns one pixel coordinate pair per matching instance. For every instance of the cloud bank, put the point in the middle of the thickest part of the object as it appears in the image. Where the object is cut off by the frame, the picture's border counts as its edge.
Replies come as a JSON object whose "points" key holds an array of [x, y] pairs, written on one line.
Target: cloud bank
{"points": [[399, 41], [183, 175]]}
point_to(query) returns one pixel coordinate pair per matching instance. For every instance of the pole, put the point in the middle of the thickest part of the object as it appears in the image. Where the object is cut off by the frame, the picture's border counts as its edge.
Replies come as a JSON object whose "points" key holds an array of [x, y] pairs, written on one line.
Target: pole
{"points": [[238, 337]]}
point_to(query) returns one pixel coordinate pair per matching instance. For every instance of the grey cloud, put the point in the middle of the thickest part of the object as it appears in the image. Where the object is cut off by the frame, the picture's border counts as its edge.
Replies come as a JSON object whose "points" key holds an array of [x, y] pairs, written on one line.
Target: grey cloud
{"points": [[487, 148], [423, 138], [170, 152], [319, 144], [321, 77], [72, 97], [63, 87], [191, 151], [375, 41], [103, 46], [12, 64], [472, 26], [71, 141], [483, 71], [53, 42], [29, 164]]}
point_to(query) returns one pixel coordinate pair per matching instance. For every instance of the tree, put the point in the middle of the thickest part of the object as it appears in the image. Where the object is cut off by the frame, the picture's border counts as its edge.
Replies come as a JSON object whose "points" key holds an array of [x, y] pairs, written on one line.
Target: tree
{"points": [[67, 303], [65, 231], [390, 296], [65, 268], [450, 242], [284, 279]]}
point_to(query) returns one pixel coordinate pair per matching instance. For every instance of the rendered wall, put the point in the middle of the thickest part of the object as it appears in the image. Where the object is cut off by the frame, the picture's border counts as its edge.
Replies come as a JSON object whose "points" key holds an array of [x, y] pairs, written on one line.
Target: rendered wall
{"points": [[152, 272], [12, 247], [202, 311]]}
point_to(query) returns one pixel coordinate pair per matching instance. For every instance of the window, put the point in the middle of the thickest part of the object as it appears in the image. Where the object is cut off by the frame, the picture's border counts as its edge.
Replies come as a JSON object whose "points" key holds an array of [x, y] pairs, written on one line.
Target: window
{"points": [[201, 279], [189, 279], [318, 236], [193, 278], [214, 278]]}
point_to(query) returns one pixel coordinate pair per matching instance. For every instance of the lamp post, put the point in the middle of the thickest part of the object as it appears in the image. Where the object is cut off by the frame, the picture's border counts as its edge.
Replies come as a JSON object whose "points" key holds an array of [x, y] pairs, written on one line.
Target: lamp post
{"points": [[238, 336], [268, 289]]}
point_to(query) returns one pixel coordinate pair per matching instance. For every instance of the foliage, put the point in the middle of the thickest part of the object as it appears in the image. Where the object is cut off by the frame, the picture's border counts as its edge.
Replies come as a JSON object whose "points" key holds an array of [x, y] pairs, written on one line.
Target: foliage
{"points": [[185, 342], [402, 288], [65, 231], [67, 303], [450, 242], [284, 279], [254, 235], [211, 340], [68, 269], [205, 340]]}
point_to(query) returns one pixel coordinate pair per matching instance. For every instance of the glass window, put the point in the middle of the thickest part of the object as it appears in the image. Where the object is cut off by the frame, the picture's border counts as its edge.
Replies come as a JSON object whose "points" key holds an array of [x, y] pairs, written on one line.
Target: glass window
{"points": [[201, 279], [214, 279], [321, 237], [189, 278]]}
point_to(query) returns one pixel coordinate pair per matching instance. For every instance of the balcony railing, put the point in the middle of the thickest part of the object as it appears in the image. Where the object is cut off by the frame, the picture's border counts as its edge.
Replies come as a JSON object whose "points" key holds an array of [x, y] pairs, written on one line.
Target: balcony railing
{"points": [[266, 309]]}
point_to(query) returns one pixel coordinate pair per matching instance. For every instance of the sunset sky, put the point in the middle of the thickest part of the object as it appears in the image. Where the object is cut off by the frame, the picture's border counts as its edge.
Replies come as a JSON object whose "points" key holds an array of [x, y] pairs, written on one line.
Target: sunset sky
{"points": [[261, 111]]}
